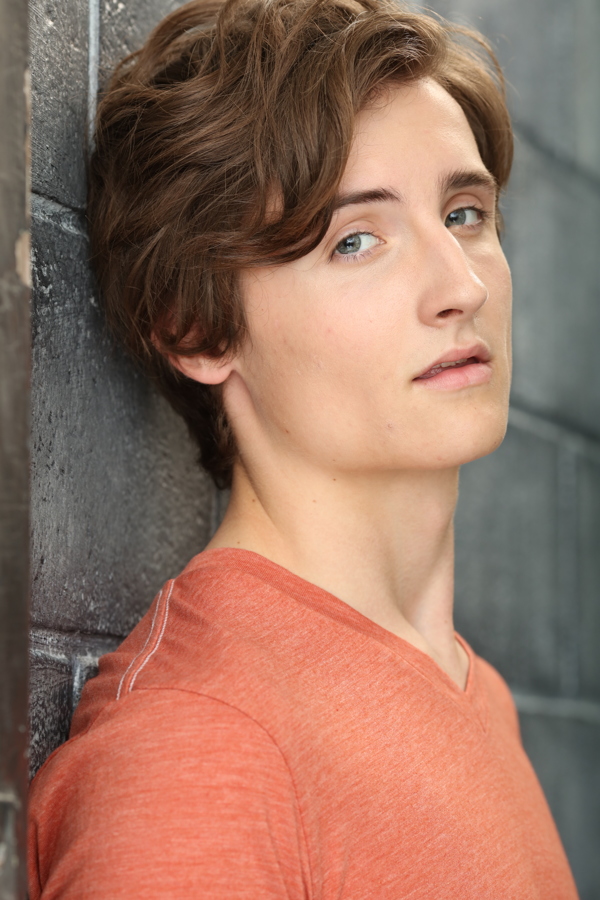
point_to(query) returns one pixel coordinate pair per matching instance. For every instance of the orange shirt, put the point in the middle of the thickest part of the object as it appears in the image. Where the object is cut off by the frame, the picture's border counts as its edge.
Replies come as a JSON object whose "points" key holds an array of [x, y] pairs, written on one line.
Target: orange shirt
{"points": [[255, 737]]}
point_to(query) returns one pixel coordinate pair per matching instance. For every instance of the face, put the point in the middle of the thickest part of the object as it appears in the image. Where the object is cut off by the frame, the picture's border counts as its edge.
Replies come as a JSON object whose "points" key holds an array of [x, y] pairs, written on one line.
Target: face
{"points": [[356, 357]]}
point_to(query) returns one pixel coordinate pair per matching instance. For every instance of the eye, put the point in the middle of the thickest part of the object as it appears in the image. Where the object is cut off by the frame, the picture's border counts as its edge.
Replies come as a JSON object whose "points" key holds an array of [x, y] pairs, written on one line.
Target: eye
{"points": [[468, 216], [356, 243]]}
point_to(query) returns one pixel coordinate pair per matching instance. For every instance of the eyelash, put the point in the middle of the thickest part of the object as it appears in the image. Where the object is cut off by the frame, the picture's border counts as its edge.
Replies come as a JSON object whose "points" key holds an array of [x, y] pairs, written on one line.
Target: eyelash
{"points": [[484, 216], [353, 257]]}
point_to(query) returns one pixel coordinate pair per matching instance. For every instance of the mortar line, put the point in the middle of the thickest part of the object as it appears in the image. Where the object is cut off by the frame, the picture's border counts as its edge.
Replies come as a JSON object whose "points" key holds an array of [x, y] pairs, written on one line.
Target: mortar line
{"points": [[93, 64], [548, 429], [53, 204], [587, 711], [85, 636], [568, 587]]}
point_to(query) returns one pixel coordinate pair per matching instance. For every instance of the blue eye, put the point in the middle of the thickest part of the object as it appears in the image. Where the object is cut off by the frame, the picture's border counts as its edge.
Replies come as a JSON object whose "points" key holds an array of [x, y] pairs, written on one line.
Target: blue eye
{"points": [[467, 215], [355, 243]]}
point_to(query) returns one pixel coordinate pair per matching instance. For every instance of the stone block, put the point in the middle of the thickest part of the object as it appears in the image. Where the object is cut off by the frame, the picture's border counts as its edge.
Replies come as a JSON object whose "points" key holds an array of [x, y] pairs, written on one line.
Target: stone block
{"points": [[60, 664], [549, 52], [552, 240], [118, 502], [125, 25], [589, 575], [59, 95], [507, 578], [565, 751]]}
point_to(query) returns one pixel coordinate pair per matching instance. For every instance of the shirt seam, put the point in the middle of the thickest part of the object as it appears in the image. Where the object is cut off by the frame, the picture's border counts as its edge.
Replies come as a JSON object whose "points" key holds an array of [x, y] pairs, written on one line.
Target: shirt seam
{"points": [[143, 656], [139, 653]]}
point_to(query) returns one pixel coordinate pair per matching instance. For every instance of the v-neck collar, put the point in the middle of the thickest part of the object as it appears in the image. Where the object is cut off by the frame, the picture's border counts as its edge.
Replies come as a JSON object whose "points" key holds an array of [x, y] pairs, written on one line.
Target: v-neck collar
{"points": [[471, 699]]}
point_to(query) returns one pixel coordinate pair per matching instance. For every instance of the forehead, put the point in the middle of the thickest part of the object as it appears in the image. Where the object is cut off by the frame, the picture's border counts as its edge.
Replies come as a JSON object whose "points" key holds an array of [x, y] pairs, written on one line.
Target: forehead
{"points": [[412, 132]]}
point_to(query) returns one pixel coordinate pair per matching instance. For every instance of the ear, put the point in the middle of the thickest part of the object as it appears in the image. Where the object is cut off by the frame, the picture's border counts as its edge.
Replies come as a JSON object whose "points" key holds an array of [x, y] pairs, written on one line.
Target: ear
{"points": [[202, 368]]}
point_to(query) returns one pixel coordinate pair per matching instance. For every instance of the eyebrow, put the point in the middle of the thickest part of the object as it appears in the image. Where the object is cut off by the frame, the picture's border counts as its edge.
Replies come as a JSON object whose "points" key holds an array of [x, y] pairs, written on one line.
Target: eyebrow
{"points": [[375, 195], [462, 179], [453, 181]]}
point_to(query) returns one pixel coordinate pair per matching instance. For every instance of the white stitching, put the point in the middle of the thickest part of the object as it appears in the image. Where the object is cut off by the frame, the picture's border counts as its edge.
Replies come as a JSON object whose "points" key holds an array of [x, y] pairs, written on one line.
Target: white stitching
{"points": [[141, 653], [160, 637]]}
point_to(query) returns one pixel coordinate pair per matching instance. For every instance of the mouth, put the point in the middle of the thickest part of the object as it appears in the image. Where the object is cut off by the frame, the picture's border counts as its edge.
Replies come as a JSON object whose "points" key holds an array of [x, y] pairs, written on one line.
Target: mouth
{"points": [[458, 369], [456, 364]]}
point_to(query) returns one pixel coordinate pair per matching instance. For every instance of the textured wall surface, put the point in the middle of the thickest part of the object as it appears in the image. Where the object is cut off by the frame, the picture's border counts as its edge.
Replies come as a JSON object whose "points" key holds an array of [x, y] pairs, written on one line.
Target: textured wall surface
{"points": [[14, 444], [119, 506], [118, 502]]}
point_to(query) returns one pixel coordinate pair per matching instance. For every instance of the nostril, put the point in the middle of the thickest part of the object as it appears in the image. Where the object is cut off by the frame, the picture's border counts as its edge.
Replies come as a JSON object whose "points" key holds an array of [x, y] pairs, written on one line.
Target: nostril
{"points": [[447, 312]]}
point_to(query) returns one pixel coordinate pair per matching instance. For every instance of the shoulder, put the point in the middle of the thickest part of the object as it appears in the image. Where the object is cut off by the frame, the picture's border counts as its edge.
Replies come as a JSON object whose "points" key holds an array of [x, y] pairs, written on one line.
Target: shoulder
{"points": [[205, 633], [161, 771], [154, 732], [500, 699]]}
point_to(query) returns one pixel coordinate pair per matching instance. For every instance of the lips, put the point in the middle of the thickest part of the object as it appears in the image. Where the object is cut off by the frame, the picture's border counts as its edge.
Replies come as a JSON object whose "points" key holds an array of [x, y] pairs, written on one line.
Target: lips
{"points": [[435, 370], [456, 359]]}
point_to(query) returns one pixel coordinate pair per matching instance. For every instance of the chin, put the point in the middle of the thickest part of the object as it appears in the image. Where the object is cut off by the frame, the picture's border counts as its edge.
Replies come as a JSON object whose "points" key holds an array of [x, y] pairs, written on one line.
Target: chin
{"points": [[485, 444], [478, 437], [450, 438]]}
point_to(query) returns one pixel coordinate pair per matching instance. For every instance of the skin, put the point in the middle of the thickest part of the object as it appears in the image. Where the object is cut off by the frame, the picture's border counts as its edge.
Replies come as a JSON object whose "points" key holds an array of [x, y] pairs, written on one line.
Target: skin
{"points": [[348, 468]]}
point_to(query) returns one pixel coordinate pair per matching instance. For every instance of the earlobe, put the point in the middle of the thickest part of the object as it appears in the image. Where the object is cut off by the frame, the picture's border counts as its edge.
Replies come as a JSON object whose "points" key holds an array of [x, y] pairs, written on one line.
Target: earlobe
{"points": [[205, 369]]}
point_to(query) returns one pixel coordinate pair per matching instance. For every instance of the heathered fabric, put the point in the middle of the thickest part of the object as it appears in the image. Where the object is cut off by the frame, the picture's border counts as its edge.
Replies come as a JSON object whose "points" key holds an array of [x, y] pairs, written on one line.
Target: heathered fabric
{"points": [[255, 737]]}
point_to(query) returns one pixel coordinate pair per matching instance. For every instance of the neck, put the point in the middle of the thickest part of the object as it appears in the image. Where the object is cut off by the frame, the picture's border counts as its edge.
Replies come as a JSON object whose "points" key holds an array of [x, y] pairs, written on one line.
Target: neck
{"points": [[382, 543]]}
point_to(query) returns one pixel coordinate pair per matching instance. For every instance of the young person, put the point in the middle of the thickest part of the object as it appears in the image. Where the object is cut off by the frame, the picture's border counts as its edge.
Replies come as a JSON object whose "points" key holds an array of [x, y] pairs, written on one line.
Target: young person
{"points": [[294, 215]]}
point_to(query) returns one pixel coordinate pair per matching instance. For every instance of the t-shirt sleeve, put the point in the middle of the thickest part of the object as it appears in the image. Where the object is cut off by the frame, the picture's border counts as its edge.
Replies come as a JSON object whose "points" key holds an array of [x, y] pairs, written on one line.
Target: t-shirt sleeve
{"points": [[172, 795]]}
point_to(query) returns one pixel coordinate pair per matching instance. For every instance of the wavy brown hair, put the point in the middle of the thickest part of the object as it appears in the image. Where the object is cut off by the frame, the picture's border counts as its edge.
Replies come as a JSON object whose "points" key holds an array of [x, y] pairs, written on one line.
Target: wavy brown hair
{"points": [[226, 107]]}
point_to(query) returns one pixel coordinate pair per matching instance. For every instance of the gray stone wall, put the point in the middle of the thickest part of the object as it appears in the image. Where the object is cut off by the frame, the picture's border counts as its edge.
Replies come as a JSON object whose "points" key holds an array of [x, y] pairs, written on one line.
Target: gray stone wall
{"points": [[118, 505], [14, 444]]}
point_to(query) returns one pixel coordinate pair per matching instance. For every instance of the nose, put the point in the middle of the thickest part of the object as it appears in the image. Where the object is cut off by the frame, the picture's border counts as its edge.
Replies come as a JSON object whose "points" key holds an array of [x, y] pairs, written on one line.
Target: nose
{"points": [[450, 287]]}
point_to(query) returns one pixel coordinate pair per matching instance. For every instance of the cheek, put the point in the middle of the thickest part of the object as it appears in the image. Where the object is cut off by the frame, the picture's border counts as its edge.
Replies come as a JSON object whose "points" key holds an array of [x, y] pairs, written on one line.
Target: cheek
{"points": [[502, 273], [312, 378], [505, 281], [311, 330], [289, 352], [504, 293], [327, 354], [492, 268]]}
